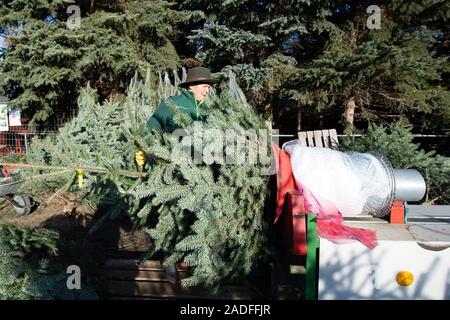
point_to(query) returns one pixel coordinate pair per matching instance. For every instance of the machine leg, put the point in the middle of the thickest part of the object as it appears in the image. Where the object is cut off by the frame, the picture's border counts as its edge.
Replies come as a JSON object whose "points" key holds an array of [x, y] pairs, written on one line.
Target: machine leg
{"points": [[311, 257]]}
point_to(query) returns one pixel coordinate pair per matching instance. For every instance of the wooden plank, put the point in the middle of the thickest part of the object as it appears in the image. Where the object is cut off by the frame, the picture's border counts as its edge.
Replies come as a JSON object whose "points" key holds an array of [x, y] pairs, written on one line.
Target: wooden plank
{"points": [[326, 138], [127, 279], [310, 136], [133, 264], [318, 138], [334, 138], [169, 290], [302, 138], [148, 289], [140, 275]]}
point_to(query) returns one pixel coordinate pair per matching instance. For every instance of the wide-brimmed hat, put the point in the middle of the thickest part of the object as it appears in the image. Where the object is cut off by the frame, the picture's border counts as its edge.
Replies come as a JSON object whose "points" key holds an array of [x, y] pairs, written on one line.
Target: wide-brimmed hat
{"points": [[197, 75]]}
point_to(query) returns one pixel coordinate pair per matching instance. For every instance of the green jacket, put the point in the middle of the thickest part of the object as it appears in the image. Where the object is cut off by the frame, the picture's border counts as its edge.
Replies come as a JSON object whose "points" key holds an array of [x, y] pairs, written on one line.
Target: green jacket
{"points": [[185, 102]]}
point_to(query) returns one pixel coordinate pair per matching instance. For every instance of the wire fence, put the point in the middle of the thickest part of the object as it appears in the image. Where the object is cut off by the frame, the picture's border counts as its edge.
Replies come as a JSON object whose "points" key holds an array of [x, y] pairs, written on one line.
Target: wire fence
{"points": [[18, 138]]}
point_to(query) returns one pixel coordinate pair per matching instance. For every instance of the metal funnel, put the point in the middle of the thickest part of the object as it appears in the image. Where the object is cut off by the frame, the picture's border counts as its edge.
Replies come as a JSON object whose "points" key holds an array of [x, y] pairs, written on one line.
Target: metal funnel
{"points": [[409, 185]]}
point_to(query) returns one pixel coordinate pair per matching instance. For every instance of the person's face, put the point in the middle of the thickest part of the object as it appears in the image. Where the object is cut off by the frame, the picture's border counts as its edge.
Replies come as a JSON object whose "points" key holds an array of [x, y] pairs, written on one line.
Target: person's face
{"points": [[200, 91]]}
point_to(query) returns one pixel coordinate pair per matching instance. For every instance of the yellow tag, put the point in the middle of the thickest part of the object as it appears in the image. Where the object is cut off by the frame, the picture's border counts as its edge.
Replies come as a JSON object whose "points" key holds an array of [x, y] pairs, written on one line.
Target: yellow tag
{"points": [[139, 156], [80, 178]]}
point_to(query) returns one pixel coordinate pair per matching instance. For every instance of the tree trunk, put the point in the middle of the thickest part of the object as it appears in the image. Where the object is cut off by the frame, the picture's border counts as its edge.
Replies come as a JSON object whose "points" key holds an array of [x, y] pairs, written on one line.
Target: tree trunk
{"points": [[299, 119], [349, 115]]}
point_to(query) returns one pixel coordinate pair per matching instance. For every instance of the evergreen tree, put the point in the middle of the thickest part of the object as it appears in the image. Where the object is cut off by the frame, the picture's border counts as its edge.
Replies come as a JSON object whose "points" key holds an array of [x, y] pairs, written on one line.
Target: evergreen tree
{"points": [[393, 72], [49, 59], [253, 39], [323, 58], [28, 266], [95, 140], [207, 213], [395, 141]]}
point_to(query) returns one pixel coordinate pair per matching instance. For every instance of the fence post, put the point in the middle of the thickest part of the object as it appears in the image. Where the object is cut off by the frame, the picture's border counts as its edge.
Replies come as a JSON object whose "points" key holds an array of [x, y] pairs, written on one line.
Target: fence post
{"points": [[26, 141]]}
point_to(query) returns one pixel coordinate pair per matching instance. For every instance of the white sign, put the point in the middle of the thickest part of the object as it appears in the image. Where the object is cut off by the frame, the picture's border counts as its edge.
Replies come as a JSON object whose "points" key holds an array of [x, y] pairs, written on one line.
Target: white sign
{"points": [[14, 117], [3, 117]]}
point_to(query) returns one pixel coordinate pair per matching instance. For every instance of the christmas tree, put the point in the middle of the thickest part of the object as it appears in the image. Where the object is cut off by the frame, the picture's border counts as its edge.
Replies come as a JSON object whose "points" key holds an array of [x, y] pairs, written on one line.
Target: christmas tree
{"points": [[201, 203]]}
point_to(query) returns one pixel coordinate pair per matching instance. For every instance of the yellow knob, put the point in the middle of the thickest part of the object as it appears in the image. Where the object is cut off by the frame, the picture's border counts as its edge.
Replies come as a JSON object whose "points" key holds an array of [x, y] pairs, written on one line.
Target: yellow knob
{"points": [[405, 278], [140, 157]]}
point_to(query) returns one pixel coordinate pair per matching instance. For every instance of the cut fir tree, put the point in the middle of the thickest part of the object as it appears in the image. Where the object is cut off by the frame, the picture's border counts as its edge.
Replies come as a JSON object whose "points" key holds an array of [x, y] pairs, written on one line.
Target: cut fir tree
{"points": [[200, 195]]}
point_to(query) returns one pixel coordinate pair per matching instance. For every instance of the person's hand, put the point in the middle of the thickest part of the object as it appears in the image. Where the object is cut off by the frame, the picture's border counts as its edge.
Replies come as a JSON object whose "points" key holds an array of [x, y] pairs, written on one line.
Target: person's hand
{"points": [[140, 157]]}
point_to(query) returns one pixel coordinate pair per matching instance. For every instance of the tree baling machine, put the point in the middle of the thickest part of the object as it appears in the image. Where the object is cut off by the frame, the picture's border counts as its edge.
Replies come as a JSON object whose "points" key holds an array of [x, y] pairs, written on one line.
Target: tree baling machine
{"points": [[410, 258]]}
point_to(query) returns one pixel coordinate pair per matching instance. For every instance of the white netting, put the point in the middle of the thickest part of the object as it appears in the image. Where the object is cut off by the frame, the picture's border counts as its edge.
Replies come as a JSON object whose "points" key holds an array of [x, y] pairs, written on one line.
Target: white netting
{"points": [[356, 183]]}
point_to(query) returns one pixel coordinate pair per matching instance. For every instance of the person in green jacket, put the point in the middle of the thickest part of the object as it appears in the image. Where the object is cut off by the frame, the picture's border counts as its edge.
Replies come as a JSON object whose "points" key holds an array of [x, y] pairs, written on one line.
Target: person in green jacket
{"points": [[190, 101], [193, 91]]}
